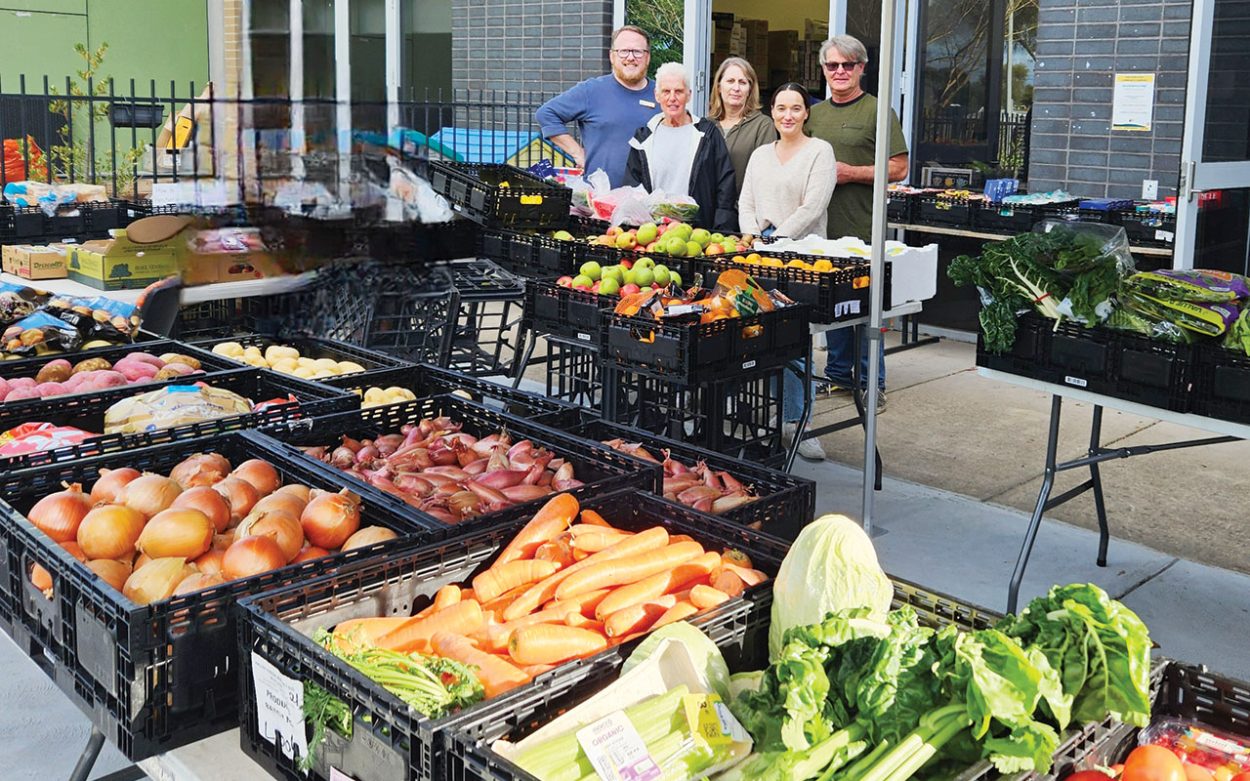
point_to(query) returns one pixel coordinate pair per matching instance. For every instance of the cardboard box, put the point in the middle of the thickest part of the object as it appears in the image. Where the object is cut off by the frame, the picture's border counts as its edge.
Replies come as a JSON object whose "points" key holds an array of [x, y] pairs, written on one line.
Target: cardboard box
{"points": [[816, 30], [738, 40], [782, 49], [36, 262], [226, 255], [143, 253], [723, 40], [722, 20]]}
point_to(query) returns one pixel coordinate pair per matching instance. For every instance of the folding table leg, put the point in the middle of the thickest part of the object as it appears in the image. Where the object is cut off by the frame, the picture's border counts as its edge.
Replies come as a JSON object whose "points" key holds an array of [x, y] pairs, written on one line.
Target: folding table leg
{"points": [[1100, 505], [1035, 522], [87, 759], [528, 339]]}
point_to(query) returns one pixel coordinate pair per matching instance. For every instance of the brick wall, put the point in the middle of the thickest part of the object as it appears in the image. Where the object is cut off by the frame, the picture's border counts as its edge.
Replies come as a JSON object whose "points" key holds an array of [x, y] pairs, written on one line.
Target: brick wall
{"points": [[542, 46], [1081, 45]]}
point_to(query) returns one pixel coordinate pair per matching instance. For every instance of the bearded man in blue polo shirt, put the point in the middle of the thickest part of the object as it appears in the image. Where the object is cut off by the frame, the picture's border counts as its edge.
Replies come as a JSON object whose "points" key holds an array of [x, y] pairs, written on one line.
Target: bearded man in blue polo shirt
{"points": [[607, 109]]}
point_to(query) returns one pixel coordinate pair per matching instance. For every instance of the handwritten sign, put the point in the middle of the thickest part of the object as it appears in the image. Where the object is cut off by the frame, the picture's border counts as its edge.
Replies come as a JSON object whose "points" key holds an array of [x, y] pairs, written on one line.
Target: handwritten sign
{"points": [[279, 707]]}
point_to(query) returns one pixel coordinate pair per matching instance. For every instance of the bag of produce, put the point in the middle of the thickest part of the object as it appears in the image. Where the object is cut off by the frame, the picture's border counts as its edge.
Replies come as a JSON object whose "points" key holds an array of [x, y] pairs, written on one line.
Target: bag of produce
{"points": [[1197, 300], [173, 405], [39, 437]]}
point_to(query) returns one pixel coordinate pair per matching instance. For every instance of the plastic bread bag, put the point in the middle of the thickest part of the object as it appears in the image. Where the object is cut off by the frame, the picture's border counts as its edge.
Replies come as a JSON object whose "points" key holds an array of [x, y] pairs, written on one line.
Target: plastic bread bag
{"points": [[173, 405]]}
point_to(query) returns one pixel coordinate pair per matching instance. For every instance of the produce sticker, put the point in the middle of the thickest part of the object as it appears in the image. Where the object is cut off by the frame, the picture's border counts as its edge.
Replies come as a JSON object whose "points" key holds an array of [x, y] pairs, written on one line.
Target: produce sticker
{"points": [[279, 707], [616, 751]]}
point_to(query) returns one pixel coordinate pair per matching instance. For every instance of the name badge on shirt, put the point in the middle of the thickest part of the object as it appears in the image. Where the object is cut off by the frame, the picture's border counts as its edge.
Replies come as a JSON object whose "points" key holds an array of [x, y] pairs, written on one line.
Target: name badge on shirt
{"points": [[647, 103]]}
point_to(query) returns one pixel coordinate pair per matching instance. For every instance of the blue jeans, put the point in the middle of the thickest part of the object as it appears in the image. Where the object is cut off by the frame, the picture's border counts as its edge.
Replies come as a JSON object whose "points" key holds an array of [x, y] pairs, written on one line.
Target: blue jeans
{"points": [[841, 351], [792, 392]]}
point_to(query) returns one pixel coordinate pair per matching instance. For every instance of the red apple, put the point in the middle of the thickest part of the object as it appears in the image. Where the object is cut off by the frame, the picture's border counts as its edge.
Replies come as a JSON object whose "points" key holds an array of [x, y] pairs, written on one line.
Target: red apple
{"points": [[627, 263], [630, 289], [713, 249], [595, 287], [651, 247], [565, 281]]}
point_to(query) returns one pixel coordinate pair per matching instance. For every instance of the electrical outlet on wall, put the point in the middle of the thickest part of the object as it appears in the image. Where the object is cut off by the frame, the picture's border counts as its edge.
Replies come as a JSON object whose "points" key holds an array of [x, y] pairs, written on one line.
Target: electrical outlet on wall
{"points": [[1149, 189]]}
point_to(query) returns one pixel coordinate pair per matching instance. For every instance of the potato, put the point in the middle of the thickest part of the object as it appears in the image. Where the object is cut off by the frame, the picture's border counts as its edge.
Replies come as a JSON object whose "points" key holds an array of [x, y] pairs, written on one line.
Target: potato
{"points": [[376, 396], [304, 372], [55, 371], [186, 360], [307, 363], [90, 365], [256, 360], [285, 365], [275, 351], [229, 349], [402, 393], [349, 367], [252, 351]]}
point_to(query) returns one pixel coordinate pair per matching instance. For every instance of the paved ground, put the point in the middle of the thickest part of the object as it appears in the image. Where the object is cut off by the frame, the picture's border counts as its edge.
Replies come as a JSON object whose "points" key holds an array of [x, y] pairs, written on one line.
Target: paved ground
{"points": [[963, 457]]}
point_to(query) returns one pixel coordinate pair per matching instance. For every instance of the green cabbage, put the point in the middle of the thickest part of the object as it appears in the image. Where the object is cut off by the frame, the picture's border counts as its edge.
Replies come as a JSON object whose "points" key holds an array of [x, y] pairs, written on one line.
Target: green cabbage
{"points": [[831, 566], [703, 652]]}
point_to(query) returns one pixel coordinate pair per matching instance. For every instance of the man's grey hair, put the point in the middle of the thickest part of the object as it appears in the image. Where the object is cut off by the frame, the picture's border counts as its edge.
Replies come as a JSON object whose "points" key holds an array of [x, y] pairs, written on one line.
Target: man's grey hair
{"points": [[672, 69], [847, 45]]}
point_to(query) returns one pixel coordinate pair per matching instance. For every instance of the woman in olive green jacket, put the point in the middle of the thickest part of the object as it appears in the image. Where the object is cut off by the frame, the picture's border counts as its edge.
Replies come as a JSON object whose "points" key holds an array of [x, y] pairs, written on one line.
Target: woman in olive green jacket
{"points": [[735, 107]]}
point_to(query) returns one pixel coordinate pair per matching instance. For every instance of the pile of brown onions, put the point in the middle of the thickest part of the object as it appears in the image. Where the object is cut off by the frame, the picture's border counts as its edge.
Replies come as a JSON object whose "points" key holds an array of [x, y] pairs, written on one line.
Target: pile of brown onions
{"points": [[435, 467], [152, 537], [698, 486]]}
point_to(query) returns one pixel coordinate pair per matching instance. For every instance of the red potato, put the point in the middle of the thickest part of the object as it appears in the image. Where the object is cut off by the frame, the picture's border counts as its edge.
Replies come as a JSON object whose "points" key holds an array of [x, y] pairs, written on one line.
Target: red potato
{"points": [[47, 389], [22, 382], [146, 358], [17, 394]]}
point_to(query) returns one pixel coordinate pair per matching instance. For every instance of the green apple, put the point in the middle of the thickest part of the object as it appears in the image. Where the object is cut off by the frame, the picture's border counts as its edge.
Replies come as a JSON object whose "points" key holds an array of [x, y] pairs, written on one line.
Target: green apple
{"points": [[643, 277], [693, 249], [625, 240], [647, 233], [661, 275], [674, 278], [679, 229], [592, 270], [608, 286], [675, 246], [716, 238], [701, 237], [615, 273], [644, 263], [629, 276], [581, 280], [562, 236]]}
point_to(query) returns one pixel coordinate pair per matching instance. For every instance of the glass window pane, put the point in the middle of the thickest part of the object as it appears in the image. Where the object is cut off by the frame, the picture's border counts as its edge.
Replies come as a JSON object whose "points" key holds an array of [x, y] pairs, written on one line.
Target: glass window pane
{"points": [[368, 58], [426, 51], [665, 23], [1227, 132], [955, 51], [1223, 224]]}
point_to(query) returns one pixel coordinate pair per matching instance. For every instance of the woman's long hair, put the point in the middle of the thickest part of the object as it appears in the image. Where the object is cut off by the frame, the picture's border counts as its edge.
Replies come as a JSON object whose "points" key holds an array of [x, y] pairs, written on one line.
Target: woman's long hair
{"points": [[716, 108]]}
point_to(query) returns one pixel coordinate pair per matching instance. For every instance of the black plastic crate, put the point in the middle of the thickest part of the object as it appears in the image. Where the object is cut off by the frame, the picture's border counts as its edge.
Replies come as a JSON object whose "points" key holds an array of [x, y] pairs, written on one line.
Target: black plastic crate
{"points": [[428, 380], [598, 467], [1221, 383], [155, 677], [571, 313], [941, 210], [738, 417], [900, 207], [531, 253], [684, 350], [277, 625], [833, 296], [573, 372], [1152, 372], [15, 412], [315, 347], [289, 399], [477, 190], [1005, 217], [1028, 354], [517, 713], [785, 503], [1148, 228]]}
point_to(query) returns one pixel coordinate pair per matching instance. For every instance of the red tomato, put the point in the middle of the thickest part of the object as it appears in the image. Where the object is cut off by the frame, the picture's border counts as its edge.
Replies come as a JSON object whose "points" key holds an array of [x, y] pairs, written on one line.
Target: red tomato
{"points": [[1197, 773], [1242, 776], [1088, 775], [1153, 763]]}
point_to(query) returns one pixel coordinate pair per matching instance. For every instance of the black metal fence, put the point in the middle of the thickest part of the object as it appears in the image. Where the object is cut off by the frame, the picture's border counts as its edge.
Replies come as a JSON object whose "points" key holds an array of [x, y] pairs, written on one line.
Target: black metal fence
{"points": [[128, 139], [955, 127]]}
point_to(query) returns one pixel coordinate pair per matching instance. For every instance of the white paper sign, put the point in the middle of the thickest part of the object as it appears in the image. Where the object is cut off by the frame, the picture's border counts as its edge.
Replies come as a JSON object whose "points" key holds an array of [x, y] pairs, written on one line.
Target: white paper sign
{"points": [[1133, 101], [616, 751], [190, 192], [279, 707]]}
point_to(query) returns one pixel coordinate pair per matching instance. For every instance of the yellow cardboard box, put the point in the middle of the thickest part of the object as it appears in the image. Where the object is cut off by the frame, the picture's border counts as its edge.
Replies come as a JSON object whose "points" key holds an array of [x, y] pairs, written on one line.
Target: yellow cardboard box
{"points": [[36, 262], [146, 251]]}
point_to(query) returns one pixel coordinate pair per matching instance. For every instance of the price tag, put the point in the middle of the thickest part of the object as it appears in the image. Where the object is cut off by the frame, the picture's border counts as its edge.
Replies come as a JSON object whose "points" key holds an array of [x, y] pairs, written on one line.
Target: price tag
{"points": [[616, 751], [279, 707]]}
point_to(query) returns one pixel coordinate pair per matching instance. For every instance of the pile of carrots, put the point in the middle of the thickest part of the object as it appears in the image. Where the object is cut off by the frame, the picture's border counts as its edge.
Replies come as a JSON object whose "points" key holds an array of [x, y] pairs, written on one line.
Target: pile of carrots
{"points": [[561, 590]]}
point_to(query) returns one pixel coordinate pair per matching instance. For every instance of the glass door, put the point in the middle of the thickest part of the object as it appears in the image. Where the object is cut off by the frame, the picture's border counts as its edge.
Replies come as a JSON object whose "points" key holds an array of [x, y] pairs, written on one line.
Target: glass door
{"points": [[1213, 207]]}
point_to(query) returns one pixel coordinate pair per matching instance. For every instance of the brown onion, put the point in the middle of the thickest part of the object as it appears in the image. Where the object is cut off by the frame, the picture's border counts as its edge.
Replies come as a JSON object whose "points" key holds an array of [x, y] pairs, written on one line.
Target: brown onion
{"points": [[108, 489], [308, 553], [201, 469], [252, 556], [41, 579], [261, 474], [156, 580], [110, 531], [207, 501], [280, 502], [178, 531], [111, 571], [210, 563], [197, 581], [139, 561], [370, 535], [58, 515], [241, 496], [149, 494], [329, 519], [223, 541], [283, 527], [302, 491], [74, 549]]}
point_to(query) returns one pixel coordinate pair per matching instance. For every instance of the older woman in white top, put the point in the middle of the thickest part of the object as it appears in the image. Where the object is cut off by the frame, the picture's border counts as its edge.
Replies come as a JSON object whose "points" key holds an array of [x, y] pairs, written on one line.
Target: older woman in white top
{"points": [[789, 182], [786, 193]]}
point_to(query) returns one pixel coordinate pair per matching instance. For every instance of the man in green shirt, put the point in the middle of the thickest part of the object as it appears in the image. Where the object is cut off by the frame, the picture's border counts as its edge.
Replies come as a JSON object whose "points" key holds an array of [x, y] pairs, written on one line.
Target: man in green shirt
{"points": [[848, 121]]}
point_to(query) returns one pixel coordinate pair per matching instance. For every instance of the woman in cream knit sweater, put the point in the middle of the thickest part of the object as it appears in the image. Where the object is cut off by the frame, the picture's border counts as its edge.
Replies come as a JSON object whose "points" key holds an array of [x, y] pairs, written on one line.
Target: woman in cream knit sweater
{"points": [[788, 182]]}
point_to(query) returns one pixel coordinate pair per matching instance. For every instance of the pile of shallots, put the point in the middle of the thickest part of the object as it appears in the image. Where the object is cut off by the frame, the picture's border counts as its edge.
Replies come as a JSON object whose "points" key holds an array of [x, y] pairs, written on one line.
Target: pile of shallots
{"points": [[698, 486], [444, 472]]}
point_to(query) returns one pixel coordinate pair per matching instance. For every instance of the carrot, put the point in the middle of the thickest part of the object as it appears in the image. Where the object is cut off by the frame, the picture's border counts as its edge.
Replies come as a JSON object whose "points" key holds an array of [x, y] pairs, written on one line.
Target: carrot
{"points": [[656, 585], [547, 524], [592, 518], [680, 538], [737, 558], [553, 644], [463, 618], [503, 600], [542, 591], [502, 578], [751, 577], [559, 551], [637, 617], [593, 542], [494, 638], [630, 569], [682, 610], [357, 633], [446, 597], [704, 597], [582, 622], [535, 670], [586, 603], [497, 674], [727, 580], [578, 529]]}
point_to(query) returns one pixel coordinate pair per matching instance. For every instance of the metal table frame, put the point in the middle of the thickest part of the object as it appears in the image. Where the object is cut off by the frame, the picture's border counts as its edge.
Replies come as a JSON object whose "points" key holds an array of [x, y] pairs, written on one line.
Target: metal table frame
{"points": [[1224, 431]]}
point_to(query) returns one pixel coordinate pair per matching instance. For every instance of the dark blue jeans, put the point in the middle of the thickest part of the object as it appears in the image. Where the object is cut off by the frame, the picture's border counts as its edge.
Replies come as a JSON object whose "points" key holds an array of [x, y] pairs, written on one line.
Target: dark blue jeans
{"points": [[841, 352]]}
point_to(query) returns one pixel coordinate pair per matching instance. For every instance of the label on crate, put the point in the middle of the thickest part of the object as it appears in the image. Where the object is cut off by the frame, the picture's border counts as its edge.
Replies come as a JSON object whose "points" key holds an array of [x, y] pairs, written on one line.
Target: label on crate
{"points": [[748, 364], [583, 337], [616, 751], [1161, 235], [1077, 381], [844, 308], [279, 707]]}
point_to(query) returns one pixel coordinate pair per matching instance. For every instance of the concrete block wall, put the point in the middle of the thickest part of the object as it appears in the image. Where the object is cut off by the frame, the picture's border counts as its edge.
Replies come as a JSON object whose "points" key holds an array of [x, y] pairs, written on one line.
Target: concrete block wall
{"points": [[539, 46], [1081, 45]]}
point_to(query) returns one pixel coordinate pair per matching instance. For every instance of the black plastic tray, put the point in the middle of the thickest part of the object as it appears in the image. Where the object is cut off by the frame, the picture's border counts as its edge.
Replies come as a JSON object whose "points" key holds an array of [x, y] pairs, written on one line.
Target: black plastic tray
{"points": [[941, 210], [600, 468], [475, 190], [311, 400], [315, 347], [1149, 228], [785, 505], [531, 253], [153, 677], [427, 380], [1221, 383], [833, 296], [566, 312], [1005, 218], [276, 627]]}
